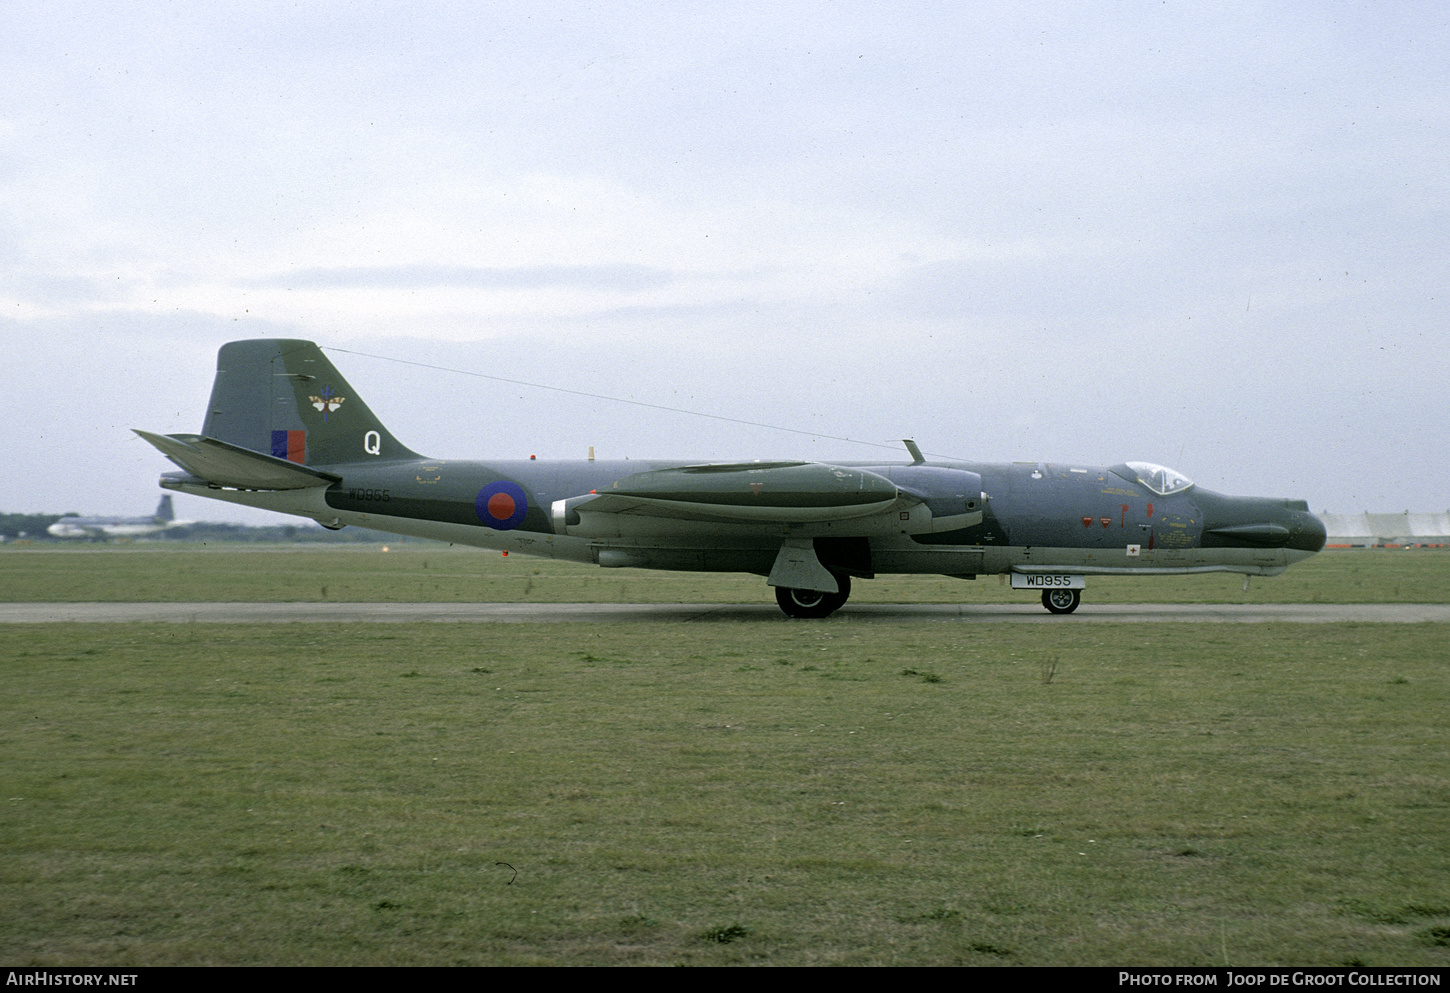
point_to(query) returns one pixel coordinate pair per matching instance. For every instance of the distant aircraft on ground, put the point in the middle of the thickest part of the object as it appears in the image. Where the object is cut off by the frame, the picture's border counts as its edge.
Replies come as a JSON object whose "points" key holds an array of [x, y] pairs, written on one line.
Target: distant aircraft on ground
{"points": [[285, 432], [116, 527]]}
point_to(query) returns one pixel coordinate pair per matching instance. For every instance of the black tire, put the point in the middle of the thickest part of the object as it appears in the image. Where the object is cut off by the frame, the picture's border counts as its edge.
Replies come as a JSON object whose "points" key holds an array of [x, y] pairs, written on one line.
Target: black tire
{"points": [[812, 603], [1061, 601]]}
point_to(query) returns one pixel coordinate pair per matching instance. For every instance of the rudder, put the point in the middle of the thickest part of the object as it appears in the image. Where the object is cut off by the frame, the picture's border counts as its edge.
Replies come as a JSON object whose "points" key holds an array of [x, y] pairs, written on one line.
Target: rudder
{"points": [[282, 397]]}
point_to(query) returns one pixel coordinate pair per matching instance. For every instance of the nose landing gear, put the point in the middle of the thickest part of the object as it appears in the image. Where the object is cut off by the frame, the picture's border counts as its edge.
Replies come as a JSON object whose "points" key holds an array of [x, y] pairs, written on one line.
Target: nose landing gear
{"points": [[1061, 601]]}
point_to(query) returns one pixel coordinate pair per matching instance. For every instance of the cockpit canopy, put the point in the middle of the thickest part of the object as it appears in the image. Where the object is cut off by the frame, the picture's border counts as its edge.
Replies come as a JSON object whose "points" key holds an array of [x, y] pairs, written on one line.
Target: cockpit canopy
{"points": [[1160, 479]]}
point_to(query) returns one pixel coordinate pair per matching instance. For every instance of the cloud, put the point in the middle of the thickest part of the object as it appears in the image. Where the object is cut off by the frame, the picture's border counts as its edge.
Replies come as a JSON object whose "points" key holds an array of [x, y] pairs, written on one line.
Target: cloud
{"points": [[1040, 231]]}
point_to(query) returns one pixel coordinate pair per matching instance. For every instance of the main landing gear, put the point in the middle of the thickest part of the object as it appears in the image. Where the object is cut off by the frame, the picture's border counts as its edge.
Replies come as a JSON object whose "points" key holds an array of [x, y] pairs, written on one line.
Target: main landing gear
{"points": [[1061, 601], [812, 603]]}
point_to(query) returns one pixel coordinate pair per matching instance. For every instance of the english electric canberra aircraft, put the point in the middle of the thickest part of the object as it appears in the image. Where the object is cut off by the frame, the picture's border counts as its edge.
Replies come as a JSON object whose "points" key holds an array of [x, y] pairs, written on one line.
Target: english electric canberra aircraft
{"points": [[285, 432]]}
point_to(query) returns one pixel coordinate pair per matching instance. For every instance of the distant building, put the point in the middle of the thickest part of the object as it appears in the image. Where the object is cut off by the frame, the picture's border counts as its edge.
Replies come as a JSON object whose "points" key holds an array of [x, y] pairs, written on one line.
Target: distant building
{"points": [[1387, 530]]}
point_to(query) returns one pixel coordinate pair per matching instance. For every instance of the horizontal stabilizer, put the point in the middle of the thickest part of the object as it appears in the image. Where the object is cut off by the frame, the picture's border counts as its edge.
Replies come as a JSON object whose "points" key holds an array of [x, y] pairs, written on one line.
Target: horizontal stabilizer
{"points": [[225, 464]]}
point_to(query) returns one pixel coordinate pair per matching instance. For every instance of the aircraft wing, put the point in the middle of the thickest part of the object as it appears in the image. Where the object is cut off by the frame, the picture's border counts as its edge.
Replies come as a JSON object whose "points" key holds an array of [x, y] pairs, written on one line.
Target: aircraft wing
{"points": [[744, 493], [751, 491], [229, 465]]}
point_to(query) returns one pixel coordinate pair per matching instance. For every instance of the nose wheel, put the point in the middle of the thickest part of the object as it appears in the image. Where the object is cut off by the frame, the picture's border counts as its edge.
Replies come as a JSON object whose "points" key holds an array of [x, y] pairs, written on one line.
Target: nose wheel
{"points": [[812, 603], [1061, 601]]}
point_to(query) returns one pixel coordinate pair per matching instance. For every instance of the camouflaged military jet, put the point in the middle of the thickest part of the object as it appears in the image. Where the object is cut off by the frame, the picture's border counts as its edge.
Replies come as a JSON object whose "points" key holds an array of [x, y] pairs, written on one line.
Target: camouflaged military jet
{"points": [[285, 432]]}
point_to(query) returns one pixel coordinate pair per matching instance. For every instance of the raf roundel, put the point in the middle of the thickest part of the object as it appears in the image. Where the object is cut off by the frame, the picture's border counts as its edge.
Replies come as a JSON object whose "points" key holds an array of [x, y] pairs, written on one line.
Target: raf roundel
{"points": [[501, 505]]}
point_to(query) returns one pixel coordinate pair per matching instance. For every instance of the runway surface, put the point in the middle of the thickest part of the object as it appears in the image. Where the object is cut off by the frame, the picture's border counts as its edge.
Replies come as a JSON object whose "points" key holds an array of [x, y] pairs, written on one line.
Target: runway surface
{"points": [[603, 613]]}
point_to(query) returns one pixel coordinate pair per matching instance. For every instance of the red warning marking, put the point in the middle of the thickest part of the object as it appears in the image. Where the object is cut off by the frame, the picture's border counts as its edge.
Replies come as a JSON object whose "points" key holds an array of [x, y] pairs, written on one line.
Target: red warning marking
{"points": [[501, 506], [1124, 521], [1150, 541], [1150, 510], [1107, 521], [1087, 522]]}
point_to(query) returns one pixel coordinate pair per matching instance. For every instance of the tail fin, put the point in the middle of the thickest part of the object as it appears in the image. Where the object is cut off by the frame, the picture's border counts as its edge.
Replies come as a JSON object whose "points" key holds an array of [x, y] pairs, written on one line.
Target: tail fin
{"points": [[164, 511], [282, 397]]}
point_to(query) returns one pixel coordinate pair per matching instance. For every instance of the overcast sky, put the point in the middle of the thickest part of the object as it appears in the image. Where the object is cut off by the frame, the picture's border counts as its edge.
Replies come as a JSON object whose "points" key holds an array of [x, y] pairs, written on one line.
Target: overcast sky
{"points": [[1209, 235]]}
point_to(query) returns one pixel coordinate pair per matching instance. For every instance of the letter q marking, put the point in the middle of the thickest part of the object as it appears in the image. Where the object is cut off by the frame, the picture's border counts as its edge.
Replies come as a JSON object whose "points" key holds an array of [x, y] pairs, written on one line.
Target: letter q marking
{"points": [[372, 443]]}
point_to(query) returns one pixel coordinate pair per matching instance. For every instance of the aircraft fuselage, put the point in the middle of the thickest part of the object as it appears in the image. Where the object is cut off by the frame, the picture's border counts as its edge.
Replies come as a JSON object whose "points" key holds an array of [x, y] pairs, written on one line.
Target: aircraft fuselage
{"points": [[1037, 517], [284, 431]]}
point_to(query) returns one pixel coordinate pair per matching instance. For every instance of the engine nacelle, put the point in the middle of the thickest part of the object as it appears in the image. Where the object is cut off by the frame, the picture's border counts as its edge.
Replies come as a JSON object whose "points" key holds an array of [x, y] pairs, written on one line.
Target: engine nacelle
{"points": [[954, 496]]}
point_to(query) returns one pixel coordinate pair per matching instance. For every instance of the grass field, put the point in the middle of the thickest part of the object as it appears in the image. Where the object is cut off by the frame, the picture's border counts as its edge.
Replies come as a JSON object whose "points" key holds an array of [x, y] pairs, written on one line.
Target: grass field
{"points": [[714, 793], [439, 573], [907, 794]]}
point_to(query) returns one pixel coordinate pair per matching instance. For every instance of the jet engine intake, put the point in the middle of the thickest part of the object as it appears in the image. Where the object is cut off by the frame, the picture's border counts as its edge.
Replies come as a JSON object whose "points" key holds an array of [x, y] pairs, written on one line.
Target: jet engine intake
{"points": [[954, 496]]}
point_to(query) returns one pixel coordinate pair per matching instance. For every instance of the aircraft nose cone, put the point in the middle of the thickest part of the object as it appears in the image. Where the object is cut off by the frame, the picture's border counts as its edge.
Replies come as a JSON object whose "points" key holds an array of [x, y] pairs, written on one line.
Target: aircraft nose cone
{"points": [[1258, 522], [1307, 533]]}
